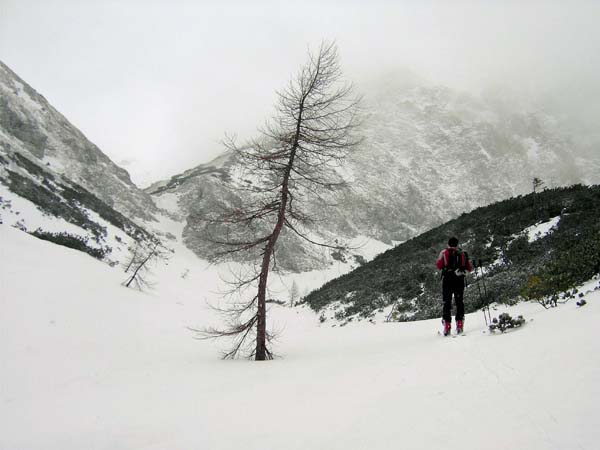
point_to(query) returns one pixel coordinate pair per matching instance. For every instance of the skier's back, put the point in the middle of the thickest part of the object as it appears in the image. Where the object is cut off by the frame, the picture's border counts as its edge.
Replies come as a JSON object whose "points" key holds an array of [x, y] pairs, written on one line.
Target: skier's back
{"points": [[454, 264]]}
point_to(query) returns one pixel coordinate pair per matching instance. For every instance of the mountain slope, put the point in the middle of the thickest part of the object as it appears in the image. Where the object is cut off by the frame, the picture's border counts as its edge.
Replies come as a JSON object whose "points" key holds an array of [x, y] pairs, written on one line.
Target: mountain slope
{"points": [[429, 154], [31, 127], [515, 262], [219, 184], [432, 153], [53, 208]]}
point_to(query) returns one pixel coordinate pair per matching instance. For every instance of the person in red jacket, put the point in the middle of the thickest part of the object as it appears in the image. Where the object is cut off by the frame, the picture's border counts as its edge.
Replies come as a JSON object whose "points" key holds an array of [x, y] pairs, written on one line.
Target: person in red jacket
{"points": [[454, 264]]}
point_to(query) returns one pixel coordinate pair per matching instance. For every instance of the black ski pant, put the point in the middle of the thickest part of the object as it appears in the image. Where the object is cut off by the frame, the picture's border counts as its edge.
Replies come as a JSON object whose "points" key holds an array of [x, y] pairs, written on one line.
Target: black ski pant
{"points": [[453, 285]]}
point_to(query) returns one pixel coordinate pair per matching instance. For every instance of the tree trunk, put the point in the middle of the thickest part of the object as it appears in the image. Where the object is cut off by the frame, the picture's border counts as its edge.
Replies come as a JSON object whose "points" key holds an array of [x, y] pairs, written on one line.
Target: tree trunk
{"points": [[261, 323]]}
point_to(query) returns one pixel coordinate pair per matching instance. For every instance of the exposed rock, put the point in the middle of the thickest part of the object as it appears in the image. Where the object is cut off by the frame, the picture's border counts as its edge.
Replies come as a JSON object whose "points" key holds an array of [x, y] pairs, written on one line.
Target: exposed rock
{"points": [[29, 125]]}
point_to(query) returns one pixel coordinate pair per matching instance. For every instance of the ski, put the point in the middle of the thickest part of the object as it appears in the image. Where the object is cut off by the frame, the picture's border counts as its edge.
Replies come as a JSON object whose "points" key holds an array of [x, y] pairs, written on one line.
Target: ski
{"points": [[452, 335]]}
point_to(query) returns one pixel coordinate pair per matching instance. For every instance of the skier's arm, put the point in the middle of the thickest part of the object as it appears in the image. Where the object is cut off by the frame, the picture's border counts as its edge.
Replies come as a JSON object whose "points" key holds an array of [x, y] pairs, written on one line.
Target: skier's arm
{"points": [[440, 261]]}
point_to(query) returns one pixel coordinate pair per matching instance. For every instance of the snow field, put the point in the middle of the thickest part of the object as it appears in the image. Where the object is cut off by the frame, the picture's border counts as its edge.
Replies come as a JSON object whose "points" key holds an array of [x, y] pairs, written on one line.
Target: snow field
{"points": [[90, 364], [541, 229]]}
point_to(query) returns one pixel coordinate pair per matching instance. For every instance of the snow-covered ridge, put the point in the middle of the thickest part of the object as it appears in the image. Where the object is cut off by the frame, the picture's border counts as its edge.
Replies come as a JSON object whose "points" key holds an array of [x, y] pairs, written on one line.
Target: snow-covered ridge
{"points": [[52, 207], [30, 126]]}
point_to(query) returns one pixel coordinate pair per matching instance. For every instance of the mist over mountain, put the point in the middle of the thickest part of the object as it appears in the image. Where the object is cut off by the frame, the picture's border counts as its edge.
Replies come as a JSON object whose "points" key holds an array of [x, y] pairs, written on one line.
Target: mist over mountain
{"points": [[430, 153]]}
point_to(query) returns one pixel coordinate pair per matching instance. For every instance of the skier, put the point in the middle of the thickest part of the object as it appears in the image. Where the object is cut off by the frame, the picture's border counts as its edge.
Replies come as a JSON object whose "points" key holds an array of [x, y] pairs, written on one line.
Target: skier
{"points": [[454, 264]]}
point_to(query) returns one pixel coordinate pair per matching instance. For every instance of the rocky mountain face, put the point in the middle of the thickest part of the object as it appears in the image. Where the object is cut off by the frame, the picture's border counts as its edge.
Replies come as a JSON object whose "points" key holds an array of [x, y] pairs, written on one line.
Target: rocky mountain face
{"points": [[58, 186], [33, 129], [429, 154], [222, 183]]}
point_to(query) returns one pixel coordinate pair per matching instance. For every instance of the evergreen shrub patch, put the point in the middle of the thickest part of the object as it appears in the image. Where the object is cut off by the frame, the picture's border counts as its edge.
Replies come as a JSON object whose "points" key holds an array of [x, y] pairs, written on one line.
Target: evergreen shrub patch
{"points": [[65, 199], [505, 322], [514, 267], [72, 241]]}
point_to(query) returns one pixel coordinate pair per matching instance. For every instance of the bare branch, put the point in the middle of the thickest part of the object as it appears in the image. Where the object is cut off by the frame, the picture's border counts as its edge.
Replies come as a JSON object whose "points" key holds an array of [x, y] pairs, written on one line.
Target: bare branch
{"points": [[294, 160]]}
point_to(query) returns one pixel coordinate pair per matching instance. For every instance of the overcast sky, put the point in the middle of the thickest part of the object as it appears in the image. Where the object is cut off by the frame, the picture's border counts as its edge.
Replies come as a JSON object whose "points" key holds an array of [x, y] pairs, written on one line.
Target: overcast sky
{"points": [[156, 84]]}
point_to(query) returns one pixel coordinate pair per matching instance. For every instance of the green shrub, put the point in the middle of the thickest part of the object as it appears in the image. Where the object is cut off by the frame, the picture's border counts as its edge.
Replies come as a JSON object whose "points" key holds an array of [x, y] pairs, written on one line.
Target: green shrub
{"points": [[505, 322]]}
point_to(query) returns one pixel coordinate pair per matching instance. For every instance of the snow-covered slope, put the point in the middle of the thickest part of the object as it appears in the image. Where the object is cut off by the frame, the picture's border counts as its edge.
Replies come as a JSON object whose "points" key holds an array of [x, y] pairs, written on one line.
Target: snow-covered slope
{"points": [[430, 153], [58, 185], [106, 236], [90, 364], [31, 127]]}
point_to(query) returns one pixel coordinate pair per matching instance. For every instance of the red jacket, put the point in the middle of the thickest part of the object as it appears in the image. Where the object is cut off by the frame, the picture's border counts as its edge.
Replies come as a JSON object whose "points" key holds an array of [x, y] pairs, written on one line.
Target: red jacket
{"points": [[442, 260]]}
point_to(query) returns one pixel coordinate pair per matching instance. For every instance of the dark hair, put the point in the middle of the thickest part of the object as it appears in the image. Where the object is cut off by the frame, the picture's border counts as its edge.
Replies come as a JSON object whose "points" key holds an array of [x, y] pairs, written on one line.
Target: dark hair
{"points": [[452, 242]]}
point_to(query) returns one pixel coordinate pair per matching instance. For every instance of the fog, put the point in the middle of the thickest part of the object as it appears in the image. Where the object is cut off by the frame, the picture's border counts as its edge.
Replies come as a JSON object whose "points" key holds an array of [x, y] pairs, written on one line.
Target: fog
{"points": [[156, 84]]}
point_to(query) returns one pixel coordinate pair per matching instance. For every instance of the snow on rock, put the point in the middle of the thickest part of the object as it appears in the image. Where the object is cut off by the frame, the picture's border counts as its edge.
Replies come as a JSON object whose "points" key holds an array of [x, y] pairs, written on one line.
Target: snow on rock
{"points": [[21, 213], [31, 127], [91, 364], [541, 229]]}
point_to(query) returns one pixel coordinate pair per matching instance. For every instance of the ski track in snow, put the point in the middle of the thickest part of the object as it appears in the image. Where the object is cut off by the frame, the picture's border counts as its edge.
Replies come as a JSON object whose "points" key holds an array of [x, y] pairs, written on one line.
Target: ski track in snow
{"points": [[91, 364]]}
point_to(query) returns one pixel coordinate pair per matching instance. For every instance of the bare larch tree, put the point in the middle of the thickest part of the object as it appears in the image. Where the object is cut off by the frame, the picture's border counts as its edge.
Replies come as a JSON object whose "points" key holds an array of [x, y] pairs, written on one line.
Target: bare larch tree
{"points": [[141, 256], [296, 156]]}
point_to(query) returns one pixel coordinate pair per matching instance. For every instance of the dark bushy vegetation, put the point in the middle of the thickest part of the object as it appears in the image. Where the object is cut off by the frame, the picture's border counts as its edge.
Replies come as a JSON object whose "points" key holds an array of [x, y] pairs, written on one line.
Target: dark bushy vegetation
{"points": [[560, 260], [51, 203], [505, 322], [65, 199], [72, 241]]}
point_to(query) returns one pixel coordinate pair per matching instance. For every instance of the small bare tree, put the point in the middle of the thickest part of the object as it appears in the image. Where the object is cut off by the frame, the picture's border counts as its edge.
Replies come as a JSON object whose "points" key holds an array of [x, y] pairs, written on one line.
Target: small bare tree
{"points": [[295, 157], [140, 258]]}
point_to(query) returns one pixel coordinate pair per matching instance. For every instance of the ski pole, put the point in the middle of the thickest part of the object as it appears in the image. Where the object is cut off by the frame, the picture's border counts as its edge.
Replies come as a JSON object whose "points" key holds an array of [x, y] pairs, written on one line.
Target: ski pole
{"points": [[389, 317], [479, 290], [487, 301]]}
